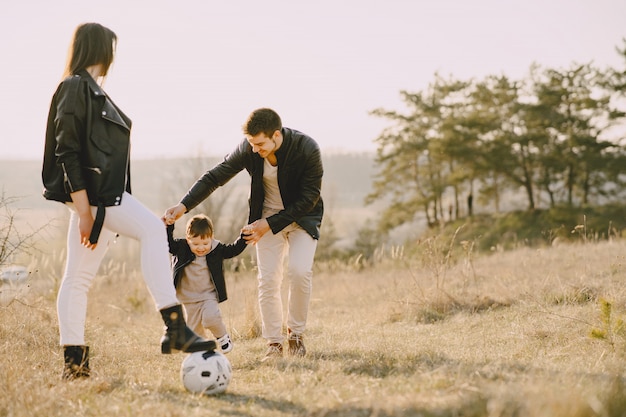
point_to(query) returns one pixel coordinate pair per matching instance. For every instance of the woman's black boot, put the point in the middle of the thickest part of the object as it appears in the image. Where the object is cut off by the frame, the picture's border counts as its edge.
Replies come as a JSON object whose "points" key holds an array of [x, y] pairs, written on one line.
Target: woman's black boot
{"points": [[76, 360], [180, 337]]}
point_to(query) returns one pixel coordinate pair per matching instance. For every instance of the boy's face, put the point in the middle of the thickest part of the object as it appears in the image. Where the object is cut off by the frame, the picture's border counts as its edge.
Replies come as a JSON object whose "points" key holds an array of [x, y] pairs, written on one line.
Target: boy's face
{"points": [[200, 246]]}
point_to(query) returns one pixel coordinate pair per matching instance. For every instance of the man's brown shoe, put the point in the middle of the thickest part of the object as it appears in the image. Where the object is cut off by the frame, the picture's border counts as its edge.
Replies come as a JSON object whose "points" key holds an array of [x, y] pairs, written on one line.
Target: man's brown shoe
{"points": [[274, 350], [296, 344]]}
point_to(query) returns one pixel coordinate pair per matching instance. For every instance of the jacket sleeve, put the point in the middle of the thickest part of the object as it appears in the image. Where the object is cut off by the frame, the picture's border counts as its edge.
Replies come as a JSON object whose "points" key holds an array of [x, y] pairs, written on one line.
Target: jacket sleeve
{"points": [[232, 164], [235, 248], [70, 131], [174, 244], [308, 192]]}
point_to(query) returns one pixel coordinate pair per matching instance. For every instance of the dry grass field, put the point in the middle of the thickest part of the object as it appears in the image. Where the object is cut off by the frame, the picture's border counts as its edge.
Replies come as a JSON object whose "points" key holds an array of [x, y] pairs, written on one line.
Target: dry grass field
{"points": [[502, 334]]}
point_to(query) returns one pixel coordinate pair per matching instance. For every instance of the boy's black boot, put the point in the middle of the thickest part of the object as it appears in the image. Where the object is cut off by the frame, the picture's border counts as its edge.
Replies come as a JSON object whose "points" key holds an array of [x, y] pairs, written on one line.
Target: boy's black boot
{"points": [[76, 362], [180, 337]]}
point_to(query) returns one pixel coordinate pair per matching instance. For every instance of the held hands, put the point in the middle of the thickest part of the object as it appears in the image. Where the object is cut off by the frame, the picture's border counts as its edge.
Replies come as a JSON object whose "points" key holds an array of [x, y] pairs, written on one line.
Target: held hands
{"points": [[254, 231], [173, 213]]}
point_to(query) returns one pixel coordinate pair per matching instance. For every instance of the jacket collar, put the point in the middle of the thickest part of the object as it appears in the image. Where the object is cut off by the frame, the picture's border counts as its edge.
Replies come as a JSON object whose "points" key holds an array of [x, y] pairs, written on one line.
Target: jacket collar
{"points": [[282, 151], [214, 244], [93, 85], [109, 110]]}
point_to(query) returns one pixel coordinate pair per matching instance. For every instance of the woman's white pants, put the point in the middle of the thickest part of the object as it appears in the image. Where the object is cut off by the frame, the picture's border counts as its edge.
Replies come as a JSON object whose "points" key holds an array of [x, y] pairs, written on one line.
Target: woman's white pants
{"points": [[131, 219]]}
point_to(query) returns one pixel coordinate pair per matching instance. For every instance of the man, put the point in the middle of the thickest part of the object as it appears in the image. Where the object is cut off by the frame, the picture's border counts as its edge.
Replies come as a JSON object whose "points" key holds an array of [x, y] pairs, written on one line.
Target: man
{"points": [[286, 212]]}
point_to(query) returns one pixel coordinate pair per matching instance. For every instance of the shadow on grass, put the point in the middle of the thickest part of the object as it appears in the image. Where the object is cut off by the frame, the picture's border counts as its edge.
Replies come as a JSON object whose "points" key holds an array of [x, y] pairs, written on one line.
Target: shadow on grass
{"points": [[474, 406], [233, 404], [372, 364], [382, 365], [441, 308], [247, 406], [248, 401]]}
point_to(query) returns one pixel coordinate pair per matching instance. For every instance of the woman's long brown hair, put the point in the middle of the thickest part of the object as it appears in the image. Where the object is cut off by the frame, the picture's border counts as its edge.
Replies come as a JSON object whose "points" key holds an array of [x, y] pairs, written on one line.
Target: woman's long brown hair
{"points": [[92, 44]]}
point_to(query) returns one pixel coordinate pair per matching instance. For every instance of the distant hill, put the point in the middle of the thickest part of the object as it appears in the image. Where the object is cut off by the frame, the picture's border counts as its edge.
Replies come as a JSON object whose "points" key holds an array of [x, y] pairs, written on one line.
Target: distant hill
{"points": [[160, 183], [347, 180]]}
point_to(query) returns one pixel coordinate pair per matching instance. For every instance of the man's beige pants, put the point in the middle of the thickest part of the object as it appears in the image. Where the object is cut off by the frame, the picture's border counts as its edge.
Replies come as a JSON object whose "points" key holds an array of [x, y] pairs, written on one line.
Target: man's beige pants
{"points": [[299, 248]]}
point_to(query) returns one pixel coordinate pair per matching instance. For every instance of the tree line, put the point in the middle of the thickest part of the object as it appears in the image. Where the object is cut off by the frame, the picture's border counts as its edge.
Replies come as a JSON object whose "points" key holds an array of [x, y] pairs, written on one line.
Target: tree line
{"points": [[557, 135]]}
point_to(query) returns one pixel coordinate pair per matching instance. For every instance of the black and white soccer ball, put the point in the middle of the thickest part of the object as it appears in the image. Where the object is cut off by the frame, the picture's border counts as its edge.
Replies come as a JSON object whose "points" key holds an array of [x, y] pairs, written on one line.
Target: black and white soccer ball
{"points": [[206, 372]]}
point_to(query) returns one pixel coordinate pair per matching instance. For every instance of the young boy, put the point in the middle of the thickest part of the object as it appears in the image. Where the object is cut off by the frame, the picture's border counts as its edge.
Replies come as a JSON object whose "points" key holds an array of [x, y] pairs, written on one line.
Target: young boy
{"points": [[199, 276]]}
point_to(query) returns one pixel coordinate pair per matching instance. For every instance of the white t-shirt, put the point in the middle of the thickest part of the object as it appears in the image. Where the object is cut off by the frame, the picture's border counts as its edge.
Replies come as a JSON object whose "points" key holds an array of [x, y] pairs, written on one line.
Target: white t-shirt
{"points": [[273, 200]]}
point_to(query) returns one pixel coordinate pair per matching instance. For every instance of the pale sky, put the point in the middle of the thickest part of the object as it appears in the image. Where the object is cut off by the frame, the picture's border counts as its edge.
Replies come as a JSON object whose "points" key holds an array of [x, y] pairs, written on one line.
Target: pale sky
{"points": [[188, 72]]}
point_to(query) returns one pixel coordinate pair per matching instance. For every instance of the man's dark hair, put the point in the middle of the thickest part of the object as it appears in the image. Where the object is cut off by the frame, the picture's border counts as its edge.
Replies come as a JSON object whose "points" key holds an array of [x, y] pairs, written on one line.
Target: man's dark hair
{"points": [[262, 121]]}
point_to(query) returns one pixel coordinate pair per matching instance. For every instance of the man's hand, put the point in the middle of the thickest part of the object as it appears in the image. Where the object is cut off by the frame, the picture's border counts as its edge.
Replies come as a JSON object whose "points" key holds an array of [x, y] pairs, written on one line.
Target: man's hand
{"points": [[173, 213], [253, 232]]}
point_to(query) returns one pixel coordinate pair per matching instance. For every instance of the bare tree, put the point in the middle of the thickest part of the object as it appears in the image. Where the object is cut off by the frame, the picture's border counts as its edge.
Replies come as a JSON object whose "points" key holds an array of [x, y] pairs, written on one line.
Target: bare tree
{"points": [[12, 240], [227, 206]]}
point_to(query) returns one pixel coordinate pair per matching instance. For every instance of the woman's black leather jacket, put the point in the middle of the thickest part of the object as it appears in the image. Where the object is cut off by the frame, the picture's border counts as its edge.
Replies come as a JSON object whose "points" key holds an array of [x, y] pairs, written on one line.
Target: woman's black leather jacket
{"points": [[87, 146]]}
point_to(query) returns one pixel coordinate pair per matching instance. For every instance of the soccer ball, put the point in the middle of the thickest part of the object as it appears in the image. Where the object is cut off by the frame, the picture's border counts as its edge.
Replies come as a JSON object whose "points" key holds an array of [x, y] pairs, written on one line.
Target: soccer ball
{"points": [[206, 372]]}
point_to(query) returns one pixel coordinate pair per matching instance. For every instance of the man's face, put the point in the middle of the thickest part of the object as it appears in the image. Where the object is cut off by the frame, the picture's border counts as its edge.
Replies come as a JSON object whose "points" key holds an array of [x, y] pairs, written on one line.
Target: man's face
{"points": [[262, 145], [200, 246]]}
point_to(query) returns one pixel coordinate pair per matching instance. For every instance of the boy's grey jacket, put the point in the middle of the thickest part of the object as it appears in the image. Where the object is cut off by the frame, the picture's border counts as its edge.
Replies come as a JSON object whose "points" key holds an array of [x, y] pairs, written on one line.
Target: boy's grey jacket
{"points": [[183, 256], [299, 180]]}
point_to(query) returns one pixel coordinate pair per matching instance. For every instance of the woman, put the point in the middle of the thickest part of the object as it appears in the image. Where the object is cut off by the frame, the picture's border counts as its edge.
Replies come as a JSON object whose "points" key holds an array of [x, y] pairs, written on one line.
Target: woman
{"points": [[86, 166]]}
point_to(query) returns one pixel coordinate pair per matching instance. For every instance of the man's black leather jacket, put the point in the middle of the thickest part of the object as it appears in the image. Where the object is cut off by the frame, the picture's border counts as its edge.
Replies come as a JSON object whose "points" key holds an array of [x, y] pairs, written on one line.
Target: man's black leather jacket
{"points": [[299, 180]]}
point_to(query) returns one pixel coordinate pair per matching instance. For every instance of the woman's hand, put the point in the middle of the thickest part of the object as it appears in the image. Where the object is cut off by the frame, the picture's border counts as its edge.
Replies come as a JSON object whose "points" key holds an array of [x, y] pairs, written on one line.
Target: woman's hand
{"points": [[85, 218], [85, 224]]}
